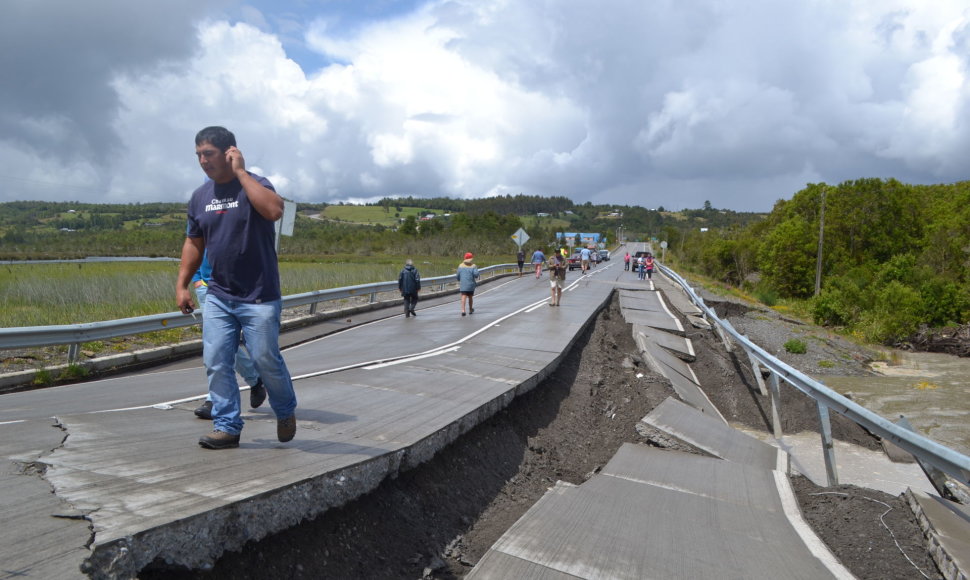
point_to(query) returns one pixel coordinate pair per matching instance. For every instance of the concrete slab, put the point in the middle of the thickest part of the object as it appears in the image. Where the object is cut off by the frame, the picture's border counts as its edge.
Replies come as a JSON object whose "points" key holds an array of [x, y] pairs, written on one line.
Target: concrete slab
{"points": [[680, 346], [677, 296], [727, 481], [42, 536], [946, 525], [681, 377], [714, 436], [657, 320], [641, 299], [855, 465], [586, 532], [648, 309]]}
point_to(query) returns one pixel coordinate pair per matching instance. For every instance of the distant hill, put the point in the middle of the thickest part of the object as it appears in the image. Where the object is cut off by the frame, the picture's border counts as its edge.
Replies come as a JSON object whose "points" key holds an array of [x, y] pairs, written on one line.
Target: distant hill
{"points": [[43, 230], [373, 215]]}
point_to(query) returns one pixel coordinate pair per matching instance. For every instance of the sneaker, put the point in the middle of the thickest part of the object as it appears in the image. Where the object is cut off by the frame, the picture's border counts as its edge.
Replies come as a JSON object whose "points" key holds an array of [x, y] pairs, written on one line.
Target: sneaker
{"points": [[204, 411], [219, 440], [257, 394], [286, 428], [413, 313], [471, 311]]}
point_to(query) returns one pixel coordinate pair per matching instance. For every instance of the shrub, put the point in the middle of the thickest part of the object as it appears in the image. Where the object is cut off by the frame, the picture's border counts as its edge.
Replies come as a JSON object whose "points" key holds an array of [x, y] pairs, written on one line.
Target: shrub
{"points": [[767, 296], [73, 371], [796, 346], [897, 314], [841, 301], [944, 302], [43, 378]]}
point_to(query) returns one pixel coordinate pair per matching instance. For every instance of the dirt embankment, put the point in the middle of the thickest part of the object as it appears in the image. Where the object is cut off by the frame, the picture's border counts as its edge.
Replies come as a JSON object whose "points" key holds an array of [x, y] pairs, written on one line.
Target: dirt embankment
{"points": [[437, 520]]}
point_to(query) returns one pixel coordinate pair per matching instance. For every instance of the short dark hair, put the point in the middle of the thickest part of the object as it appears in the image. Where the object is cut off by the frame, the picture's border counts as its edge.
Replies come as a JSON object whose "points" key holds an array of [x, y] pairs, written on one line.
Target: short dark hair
{"points": [[217, 136]]}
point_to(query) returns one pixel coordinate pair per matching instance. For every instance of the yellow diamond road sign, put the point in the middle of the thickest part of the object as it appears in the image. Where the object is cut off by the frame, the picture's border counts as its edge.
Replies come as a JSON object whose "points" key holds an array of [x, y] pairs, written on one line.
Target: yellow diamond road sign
{"points": [[520, 237]]}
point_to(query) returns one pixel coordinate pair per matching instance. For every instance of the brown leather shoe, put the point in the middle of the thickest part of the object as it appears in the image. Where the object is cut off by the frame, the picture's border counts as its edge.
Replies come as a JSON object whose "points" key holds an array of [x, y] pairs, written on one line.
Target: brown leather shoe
{"points": [[219, 440], [286, 428]]}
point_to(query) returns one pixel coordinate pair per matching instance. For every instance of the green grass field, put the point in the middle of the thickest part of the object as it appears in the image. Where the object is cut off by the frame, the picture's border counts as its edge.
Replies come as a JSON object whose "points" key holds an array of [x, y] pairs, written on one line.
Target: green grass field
{"points": [[546, 222], [373, 215], [54, 294]]}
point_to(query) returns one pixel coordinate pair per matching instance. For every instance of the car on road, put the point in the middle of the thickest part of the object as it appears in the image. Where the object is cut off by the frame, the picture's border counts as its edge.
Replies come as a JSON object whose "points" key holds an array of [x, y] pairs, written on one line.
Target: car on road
{"points": [[575, 261], [605, 255]]}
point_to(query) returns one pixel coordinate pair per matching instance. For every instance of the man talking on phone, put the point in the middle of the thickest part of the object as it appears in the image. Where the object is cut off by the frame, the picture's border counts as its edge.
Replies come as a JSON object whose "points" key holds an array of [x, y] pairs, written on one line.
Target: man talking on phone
{"points": [[231, 215]]}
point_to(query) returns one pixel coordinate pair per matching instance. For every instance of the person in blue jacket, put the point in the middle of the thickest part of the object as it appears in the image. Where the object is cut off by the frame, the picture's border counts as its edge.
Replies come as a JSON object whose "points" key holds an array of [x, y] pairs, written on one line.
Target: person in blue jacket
{"points": [[467, 281], [244, 363], [409, 283], [538, 259]]}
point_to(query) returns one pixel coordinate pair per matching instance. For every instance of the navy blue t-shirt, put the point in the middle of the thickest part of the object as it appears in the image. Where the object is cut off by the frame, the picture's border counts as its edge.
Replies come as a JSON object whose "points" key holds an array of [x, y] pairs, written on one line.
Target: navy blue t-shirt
{"points": [[239, 242]]}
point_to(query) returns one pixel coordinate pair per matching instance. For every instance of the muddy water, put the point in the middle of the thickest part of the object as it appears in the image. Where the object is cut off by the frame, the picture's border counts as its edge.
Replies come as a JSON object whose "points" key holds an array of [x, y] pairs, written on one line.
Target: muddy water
{"points": [[931, 390]]}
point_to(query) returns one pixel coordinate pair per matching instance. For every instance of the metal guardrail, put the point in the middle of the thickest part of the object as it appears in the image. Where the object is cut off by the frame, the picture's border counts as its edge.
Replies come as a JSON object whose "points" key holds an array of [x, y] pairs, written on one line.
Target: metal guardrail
{"points": [[76, 334], [927, 451]]}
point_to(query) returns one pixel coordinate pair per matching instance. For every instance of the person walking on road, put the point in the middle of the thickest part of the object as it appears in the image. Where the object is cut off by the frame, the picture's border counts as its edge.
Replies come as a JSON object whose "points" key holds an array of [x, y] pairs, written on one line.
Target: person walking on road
{"points": [[244, 363], [557, 276], [520, 259], [584, 259], [538, 259], [467, 282], [626, 262], [409, 283], [648, 266], [231, 218], [641, 270]]}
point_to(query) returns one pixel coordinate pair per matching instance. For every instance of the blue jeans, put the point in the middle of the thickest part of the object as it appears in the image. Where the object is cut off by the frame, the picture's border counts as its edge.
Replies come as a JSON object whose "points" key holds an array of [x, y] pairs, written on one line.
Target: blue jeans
{"points": [[222, 321], [244, 362]]}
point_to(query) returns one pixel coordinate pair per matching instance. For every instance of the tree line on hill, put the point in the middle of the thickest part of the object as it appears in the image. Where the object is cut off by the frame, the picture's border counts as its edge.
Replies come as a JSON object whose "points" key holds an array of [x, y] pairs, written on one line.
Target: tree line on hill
{"points": [[894, 258], [45, 230]]}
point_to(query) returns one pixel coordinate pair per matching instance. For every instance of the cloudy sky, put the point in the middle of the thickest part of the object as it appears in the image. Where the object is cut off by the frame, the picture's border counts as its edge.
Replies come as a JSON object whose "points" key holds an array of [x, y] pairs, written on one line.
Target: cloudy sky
{"points": [[652, 103]]}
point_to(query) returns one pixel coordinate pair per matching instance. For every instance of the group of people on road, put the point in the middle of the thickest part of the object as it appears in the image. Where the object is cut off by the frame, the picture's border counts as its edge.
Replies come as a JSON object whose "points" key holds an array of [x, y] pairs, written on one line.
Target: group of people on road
{"points": [[643, 265]]}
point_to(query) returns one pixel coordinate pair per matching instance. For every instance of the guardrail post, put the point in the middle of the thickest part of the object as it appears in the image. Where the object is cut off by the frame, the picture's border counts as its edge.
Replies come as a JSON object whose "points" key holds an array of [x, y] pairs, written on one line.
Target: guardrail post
{"points": [[313, 308], [775, 406], [828, 446], [72, 352], [728, 346], [373, 297], [756, 369]]}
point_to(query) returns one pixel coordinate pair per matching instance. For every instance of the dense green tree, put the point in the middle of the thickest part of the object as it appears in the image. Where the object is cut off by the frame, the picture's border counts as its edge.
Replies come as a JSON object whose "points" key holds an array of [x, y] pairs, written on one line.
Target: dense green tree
{"points": [[787, 257]]}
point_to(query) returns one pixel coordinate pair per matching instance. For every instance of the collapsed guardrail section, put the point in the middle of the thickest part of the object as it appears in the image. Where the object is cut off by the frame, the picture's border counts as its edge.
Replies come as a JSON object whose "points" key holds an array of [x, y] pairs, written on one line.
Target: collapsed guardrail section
{"points": [[931, 454]]}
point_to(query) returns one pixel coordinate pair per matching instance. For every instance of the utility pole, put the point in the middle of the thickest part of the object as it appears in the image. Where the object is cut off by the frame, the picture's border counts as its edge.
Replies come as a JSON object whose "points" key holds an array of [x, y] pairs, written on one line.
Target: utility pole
{"points": [[821, 234]]}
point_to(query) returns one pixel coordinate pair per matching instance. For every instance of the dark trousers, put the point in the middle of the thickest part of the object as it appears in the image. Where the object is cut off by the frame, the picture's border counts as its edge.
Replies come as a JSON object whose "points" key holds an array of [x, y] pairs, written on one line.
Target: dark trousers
{"points": [[410, 301]]}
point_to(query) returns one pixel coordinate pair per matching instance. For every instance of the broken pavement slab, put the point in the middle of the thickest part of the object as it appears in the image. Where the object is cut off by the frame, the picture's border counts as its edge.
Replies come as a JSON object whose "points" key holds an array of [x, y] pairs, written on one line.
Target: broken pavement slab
{"points": [[713, 436], [648, 514], [946, 525]]}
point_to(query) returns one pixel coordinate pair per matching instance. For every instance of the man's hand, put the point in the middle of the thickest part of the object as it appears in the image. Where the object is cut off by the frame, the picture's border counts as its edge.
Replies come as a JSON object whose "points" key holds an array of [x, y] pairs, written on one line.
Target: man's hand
{"points": [[184, 299], [236, 160]]}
